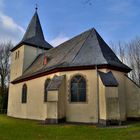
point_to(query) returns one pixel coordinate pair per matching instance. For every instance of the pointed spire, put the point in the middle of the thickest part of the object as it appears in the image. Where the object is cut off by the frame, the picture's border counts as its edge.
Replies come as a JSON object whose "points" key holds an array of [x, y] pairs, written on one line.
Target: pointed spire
{"points": [[34, 34], [34, 29]]}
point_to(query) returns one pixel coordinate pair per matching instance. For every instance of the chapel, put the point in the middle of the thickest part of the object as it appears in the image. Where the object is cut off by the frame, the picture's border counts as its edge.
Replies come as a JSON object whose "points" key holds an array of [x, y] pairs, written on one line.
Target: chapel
{"points": [[79, 81]]}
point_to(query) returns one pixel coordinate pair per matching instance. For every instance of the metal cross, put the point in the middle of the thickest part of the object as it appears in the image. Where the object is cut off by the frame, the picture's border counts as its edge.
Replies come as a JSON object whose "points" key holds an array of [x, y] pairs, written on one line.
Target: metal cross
{"points": [[36, 7]]}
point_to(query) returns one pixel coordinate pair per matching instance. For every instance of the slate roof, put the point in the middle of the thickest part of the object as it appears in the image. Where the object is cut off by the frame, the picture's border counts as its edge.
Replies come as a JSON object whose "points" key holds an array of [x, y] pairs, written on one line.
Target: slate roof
{"points": [[86, 49], [55, 83], [34, 35], [108, 79]]}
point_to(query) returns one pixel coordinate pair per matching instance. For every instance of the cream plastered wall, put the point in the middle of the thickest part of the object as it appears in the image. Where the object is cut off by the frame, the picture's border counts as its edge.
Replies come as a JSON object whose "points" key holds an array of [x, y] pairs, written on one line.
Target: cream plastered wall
{"points": [[52, 110], [133, 98], [129, 96], [35, 108], [26, 56], [52, 105], [52, 96], [102, 101], [120, 77], [112, 103], [108, 110], [87, 111], [62, 99], [121, 93], [30, 53], [56, 103], [16, 69]]}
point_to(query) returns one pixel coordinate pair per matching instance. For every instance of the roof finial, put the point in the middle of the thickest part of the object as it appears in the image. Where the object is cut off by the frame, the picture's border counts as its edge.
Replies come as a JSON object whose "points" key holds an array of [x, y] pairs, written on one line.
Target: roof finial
{"points": [[36, 7]]}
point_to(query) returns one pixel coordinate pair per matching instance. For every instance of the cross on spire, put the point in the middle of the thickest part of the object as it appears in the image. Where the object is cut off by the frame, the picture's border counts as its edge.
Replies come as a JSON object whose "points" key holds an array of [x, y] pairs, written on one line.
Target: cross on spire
{"points": [[36, 6]]}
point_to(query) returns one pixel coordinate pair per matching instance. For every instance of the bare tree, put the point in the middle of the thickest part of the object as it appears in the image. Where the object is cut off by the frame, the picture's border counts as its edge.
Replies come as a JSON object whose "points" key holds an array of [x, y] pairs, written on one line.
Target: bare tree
{"points": [[4, 68], [119, 49], [114, 47], [129, 53], [134, 59]]}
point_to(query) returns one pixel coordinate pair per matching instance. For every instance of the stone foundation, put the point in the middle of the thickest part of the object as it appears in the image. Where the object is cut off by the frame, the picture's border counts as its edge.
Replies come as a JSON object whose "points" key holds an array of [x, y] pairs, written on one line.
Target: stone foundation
{"points": [[111, 122], [55, 121]]}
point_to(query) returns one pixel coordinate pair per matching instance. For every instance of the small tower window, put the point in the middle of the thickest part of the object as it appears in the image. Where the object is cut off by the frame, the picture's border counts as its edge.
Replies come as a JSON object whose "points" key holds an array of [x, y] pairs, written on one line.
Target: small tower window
{"points": [[45, 89], [24, 94], [18, 54]]}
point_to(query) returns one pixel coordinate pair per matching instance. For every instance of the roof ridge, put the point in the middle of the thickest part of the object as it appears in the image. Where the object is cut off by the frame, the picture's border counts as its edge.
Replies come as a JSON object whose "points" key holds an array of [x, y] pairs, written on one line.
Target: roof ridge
{"points": [[74, 37], [96, 33], [83, 44], [72, 49], [109, 49]]}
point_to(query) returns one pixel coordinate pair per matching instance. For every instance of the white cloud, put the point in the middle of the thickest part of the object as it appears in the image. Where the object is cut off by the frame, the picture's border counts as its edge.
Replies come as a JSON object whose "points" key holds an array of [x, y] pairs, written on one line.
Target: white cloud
{"points": [[9, 29], [9, 24], [58, 40]]}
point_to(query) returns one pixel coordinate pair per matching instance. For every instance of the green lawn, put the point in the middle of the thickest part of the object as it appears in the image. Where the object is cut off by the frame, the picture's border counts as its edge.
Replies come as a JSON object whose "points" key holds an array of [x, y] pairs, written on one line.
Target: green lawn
{"points": [[16, 129]]}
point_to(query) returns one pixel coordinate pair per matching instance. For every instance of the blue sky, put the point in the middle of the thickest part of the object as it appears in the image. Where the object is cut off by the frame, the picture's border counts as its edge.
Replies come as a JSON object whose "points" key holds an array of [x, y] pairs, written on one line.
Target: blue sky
{"points": [[62, 19]]}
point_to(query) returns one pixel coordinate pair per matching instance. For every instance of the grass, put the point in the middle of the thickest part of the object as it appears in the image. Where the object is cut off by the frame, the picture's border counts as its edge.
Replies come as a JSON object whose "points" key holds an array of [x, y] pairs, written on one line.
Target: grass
{"points": [[16, 129]]}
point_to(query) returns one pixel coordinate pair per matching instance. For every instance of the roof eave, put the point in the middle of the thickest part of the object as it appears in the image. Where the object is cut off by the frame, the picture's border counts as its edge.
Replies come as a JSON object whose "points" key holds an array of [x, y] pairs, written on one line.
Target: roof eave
{"points": [[25, 43], [61, 69]]}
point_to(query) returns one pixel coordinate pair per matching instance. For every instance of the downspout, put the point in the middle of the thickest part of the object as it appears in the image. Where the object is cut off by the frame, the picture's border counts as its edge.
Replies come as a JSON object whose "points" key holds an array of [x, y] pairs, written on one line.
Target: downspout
{"points": [[98, 105]]}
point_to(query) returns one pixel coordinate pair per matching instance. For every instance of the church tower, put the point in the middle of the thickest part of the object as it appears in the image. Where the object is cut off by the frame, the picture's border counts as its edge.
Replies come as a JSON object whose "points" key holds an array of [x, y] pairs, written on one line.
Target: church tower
{"points": [[32, 44]]}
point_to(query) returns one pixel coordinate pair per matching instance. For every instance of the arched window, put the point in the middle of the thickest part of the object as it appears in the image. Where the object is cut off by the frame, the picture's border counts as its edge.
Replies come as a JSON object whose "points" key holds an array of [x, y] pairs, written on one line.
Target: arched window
{"points": [[24, 94], [78, 89], [45, 89]]}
